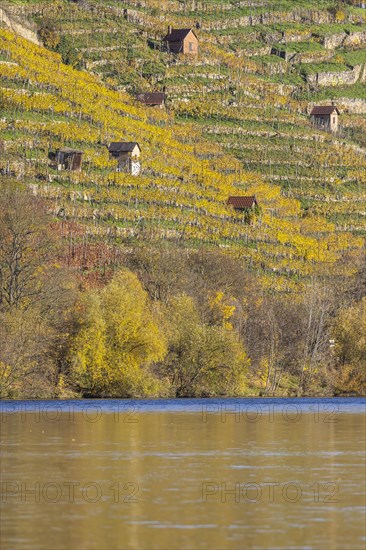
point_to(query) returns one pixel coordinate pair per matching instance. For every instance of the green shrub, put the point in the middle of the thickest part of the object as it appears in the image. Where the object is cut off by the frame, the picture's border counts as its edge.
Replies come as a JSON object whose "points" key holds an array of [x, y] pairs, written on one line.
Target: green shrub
{"points": [[49, 34], [69, 54]]}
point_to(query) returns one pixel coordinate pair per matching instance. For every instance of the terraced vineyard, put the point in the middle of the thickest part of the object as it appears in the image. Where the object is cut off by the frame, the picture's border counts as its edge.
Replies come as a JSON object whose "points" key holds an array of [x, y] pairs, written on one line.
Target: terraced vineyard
{"points": [[236, 123]]}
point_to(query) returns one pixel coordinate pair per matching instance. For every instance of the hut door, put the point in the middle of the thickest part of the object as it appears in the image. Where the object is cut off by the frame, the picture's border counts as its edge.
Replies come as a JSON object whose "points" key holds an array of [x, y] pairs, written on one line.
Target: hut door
{"points": [[135, 167], [76, 162]]}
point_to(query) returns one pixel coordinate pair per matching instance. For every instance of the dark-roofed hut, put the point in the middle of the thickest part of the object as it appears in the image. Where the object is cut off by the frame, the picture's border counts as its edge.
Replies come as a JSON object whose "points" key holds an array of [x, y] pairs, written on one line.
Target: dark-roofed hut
{"points": [[153, 99], [325, 117], [246, 204], [127, 153], [181, 41], [69, 159], [242, 202]]}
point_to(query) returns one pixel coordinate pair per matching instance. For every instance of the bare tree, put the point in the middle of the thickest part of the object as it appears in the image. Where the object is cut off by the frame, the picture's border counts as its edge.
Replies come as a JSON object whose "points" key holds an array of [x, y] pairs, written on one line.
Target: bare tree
{"points": [[36, 295]]}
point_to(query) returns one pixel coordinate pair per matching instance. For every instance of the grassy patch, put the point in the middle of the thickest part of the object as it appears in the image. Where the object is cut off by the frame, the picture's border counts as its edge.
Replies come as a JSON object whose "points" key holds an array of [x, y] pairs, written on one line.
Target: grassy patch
{"points": [[329, 67], [355, 58]]}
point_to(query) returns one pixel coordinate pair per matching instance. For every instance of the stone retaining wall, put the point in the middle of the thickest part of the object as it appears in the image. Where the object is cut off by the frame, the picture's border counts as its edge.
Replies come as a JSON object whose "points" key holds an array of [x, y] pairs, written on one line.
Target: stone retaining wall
{"points": [[344, 78]]}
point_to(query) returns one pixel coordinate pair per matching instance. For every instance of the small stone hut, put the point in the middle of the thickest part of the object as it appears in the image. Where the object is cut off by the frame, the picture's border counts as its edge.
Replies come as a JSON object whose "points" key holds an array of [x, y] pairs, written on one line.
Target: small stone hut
{"points": [[153, 99], [69, 159], [127, 154], [325, 117], [182, 41]]}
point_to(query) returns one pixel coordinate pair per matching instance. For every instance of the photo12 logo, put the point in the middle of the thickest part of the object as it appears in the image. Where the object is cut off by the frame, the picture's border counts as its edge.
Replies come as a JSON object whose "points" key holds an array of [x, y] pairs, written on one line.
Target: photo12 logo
{"points": [[69, 491], [269, 492], [269, 412], [32, 411]]}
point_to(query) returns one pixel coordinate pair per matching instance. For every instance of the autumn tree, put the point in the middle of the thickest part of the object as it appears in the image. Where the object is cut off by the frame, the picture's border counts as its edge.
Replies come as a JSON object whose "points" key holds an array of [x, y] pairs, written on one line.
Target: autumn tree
{"points": [[273, 334], [163, 271], [117, 341], [36, 297], [49, 34], [202, 360]]}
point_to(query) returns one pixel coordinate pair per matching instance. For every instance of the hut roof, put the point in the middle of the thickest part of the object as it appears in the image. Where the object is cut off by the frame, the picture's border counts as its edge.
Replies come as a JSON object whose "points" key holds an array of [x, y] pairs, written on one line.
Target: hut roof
{"points": [[123, 146], [324, 110], [153, 98], [177, 35], [69, 150], [242, 202]]}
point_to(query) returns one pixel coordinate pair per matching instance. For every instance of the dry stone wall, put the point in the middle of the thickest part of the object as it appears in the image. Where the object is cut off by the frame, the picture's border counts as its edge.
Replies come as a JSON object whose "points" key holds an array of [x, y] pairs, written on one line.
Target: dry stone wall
{"points": [[344, 78]]}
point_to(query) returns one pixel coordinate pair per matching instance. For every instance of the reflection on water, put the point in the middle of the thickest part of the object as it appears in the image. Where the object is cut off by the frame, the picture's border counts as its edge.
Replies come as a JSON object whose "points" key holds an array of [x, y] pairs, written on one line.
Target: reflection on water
{"points": [[183, 475]]}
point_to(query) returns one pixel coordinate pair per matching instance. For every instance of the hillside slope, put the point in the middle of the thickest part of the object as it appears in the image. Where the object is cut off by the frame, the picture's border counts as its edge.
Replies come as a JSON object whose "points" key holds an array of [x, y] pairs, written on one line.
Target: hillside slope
{"points": [[237, 122]]}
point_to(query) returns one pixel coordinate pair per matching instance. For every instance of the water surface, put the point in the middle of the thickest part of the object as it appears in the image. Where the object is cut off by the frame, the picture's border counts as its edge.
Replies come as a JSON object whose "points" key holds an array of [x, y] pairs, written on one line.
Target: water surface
{"points": [[183, 474]]}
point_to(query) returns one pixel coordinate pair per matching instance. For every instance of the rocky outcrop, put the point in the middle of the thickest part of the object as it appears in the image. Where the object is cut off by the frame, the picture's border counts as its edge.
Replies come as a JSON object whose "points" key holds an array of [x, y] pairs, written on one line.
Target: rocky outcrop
{"points": [[19, 27]]}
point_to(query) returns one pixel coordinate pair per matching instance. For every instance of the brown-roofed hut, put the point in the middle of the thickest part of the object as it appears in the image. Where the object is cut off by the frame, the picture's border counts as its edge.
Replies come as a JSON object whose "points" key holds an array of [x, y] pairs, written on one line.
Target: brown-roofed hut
{"points": [[182, 41], [325, 117], [69, 159], [127, 153], [248, 205], [153, 99]]}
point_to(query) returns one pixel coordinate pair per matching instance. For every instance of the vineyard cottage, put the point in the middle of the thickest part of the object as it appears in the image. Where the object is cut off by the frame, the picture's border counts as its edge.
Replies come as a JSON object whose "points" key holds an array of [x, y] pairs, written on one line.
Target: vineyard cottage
{"points": [[247, 205], [153, 99], [69, 159], [181, 41], [243, 203], [127, 153], [325, 117]]}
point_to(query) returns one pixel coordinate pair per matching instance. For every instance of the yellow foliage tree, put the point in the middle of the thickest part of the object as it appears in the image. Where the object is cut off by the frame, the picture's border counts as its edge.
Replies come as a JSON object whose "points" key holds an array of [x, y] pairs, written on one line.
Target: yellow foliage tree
{"points": [[202, 359], [222, 310], [117, 341]]}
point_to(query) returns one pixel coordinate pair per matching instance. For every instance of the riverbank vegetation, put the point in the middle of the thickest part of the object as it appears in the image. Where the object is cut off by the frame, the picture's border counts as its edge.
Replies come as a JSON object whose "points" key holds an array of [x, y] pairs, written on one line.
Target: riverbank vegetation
{"points": [[164, 320]]}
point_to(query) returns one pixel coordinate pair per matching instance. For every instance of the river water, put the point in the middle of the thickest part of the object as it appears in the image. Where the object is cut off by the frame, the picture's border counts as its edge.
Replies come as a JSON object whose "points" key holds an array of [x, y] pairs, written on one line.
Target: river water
{"points": [[183, 474]]}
